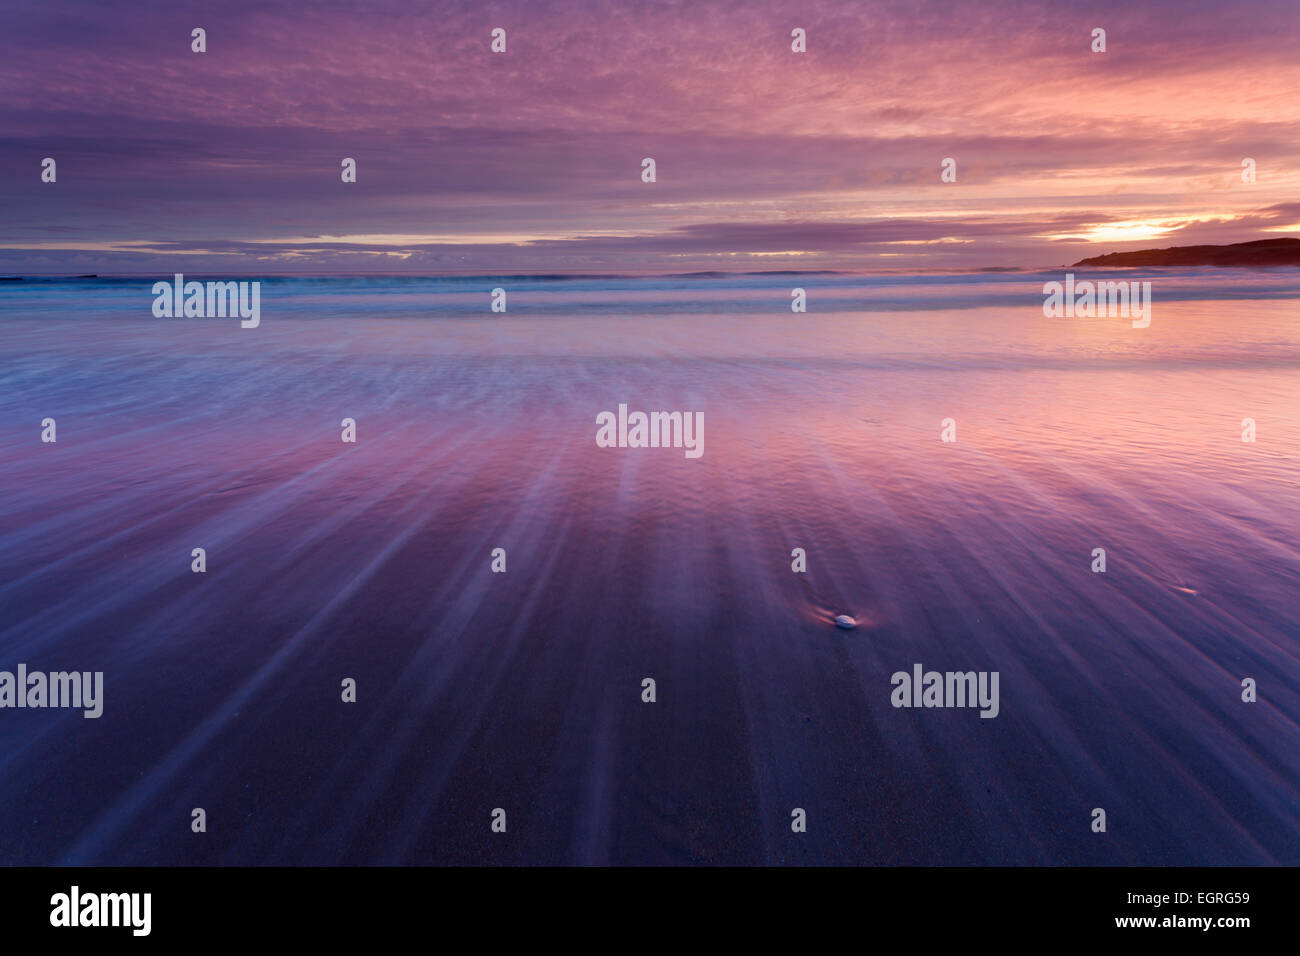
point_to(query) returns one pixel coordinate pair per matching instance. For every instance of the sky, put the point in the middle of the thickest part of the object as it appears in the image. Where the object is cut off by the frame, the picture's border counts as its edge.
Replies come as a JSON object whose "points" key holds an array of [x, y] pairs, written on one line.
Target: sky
{"points": [[530, 161]]}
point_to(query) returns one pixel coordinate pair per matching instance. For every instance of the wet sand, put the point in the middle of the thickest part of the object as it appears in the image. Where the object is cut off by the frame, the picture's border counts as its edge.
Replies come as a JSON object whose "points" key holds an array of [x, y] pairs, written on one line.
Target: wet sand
{"points": [[523, 690]]}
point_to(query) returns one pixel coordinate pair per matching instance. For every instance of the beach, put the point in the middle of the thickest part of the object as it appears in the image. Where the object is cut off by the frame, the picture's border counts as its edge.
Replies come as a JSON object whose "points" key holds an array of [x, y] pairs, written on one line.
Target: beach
{"points": [[522, 690]]}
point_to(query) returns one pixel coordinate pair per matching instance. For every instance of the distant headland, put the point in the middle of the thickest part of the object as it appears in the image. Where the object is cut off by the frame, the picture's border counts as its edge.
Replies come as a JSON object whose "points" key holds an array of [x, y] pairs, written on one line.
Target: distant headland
{"points": [[1261, 252]]}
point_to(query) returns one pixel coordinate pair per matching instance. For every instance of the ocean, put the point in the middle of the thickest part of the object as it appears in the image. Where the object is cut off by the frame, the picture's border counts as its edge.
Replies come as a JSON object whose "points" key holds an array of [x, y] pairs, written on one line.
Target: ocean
{"points": [[523, 691]]}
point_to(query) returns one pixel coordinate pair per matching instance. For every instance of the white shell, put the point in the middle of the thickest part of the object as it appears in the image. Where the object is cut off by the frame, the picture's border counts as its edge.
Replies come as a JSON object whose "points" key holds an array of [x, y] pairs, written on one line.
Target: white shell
{"points": [[845, 622]]}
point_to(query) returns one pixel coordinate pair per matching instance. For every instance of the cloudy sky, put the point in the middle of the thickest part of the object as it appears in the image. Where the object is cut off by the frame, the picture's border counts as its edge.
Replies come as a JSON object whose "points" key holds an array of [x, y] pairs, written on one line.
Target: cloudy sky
{"points": [[530, 161]]}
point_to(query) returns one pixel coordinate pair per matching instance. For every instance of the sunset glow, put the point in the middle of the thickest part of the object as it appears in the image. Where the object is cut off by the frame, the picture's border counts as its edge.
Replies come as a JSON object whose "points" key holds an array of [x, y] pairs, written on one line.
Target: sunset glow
{"points": [[531, 161]]}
